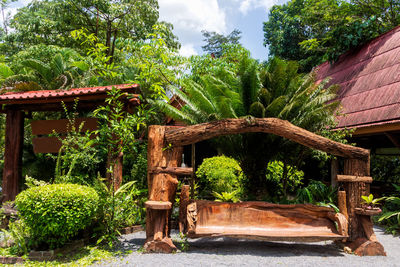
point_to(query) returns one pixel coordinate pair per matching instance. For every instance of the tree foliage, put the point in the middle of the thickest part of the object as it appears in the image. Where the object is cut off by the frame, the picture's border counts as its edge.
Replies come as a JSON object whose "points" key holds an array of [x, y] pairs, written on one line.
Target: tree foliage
{"points": [[242, 87], [50, 22], [313, 31], [215, 41]]}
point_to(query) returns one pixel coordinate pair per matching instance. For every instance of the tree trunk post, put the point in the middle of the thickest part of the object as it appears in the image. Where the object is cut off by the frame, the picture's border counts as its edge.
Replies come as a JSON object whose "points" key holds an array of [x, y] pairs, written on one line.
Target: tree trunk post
{"points": [[162, 188], [361, 233], [354, 191], [13, 154]]}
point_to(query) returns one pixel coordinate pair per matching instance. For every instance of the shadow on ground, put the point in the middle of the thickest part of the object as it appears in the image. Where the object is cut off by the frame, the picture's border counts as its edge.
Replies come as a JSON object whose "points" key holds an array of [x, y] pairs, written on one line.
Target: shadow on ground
{"points": [[229, 246]]}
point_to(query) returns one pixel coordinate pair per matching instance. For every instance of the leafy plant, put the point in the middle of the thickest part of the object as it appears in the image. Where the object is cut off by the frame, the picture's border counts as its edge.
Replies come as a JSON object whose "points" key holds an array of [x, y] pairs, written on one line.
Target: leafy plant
{"points": [[118, 131], [227, 196], [316, 192], [283, 177], [370, 201], [77, 159], [391, 213], [56, 213], [119, 208], [183, 243], [19, 234], [221, 174]]}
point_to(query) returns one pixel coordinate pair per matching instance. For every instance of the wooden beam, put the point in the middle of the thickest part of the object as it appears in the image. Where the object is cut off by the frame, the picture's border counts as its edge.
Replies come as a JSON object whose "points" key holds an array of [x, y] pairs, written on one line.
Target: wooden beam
{"points": [[158, 205], [13, 154], [181, 171], [376, 129], [353, 178], [199, 132]]}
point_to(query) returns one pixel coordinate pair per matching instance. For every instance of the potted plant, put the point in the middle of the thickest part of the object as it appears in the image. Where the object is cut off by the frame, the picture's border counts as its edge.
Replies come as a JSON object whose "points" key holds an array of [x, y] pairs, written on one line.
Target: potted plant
{"points": [[369, 205]]}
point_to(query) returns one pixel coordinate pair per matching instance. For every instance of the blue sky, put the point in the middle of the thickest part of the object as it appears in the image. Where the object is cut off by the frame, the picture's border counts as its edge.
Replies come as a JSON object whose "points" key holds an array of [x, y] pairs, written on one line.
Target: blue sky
{"points": [[189, 17]]}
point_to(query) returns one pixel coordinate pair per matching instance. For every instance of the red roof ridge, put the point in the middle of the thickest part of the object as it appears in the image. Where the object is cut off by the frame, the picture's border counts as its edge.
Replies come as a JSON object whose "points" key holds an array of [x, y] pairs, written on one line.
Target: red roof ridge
{"points": [[57, 93]]}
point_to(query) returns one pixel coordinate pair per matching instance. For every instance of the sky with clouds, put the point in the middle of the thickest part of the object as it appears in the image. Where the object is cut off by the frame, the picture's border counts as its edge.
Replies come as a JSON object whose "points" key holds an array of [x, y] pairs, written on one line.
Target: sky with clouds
{"points": [[190, 17]]}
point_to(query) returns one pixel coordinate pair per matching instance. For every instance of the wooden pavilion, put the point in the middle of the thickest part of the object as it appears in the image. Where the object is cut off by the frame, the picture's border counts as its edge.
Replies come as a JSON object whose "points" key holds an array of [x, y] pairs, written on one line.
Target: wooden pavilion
{"points": [[369, 79], [18, 105]]}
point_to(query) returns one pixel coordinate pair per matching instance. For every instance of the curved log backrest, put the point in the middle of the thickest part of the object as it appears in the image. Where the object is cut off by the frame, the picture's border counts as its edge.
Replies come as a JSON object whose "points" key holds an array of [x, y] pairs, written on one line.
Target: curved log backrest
{"points": [[200, 132], [165, 147]]}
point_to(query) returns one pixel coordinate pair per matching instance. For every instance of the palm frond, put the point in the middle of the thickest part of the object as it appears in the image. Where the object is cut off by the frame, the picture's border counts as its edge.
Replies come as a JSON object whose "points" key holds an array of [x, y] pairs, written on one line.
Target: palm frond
{"points": [[41, 68]]}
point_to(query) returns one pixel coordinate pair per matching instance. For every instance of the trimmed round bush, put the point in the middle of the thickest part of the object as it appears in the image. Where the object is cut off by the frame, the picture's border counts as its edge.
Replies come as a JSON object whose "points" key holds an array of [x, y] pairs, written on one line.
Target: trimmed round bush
{"points": [[55, 213], [221, 174]]}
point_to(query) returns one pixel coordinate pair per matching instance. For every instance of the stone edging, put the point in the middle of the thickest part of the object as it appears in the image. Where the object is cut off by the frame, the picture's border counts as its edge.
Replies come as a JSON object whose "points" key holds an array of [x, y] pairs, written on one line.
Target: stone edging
{"points": [[11, 260], [131, 229]]}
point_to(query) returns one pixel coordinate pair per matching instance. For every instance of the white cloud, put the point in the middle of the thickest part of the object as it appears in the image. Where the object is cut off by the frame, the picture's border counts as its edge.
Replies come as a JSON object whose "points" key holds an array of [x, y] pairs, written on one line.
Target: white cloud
{"points": [[248, 5], [190, 17], [187, 50], [194, 15]]}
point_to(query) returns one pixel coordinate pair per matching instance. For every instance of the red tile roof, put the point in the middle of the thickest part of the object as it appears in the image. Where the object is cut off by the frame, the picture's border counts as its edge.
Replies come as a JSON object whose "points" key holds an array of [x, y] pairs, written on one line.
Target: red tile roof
{"points": [[369, 79], [54, 96]]}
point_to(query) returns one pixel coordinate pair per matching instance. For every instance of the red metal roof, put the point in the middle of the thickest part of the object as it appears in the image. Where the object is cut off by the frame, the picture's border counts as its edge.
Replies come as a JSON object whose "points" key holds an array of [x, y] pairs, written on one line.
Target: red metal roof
{"points": [[55, 96], [369, 79]]}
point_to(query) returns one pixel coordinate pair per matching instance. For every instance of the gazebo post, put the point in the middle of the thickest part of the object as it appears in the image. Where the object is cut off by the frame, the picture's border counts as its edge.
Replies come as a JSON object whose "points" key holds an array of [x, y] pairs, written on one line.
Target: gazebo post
{"points": [[14, 137]]}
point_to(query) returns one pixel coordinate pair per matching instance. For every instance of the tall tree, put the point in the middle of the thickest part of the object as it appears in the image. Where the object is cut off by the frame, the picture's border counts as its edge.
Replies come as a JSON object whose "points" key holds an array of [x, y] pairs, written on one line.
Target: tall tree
{"points": [[51, 22], [215, 41], [4, 5], [313, 31]]}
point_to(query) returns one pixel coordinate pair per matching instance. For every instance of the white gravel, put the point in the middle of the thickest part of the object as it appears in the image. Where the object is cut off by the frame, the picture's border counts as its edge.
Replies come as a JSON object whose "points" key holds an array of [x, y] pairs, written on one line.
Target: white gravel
{"points": [[233, 252]]}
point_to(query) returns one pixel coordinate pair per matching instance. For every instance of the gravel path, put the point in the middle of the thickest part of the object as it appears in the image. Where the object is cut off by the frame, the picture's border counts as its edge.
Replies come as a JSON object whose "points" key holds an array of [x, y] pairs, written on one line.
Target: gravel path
{"points": [[233, 252]]}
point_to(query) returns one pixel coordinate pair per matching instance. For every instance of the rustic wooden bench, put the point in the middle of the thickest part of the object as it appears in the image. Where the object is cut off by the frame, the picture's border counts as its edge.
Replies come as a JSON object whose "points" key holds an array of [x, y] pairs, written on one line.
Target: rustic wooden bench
{"points": [[259, 220], [263, 221]]}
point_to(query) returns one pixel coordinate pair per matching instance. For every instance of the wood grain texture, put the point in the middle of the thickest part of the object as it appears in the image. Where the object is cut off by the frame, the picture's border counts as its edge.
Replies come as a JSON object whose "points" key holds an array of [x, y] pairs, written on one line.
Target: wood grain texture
{"points": [[372, 212], [367, 225], [162, 187], [264, 221], [158, 205], [14, 136], [353, 178], [180, 171], [342, 204], [354, 191], [199, 132], [183, 203]]}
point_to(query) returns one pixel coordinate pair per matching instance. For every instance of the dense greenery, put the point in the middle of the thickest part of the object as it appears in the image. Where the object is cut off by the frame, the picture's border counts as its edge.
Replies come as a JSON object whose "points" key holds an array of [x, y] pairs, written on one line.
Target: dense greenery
{"points": [[283, 177], [50, 22], [313, 31], [232, 87], [385, 169], [391, 212], [55, 213], [61, 44], [221, 175]]}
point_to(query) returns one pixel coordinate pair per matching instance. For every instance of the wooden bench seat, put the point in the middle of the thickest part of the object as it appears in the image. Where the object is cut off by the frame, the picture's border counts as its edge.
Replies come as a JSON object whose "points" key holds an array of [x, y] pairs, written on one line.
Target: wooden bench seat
{"points": [[265, 221]]}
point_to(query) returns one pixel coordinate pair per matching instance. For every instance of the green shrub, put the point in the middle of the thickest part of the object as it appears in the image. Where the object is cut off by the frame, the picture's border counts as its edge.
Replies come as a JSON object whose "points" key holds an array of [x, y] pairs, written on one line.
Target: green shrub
{"points": [[56, 213], [220, 174], [283, 181], [318, 193], [390, 217]]}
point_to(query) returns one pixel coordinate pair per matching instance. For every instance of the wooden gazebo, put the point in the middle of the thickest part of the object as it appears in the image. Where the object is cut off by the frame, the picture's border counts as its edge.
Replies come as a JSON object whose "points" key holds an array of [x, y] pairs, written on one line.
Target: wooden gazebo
{"points": [[17, 104]]}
